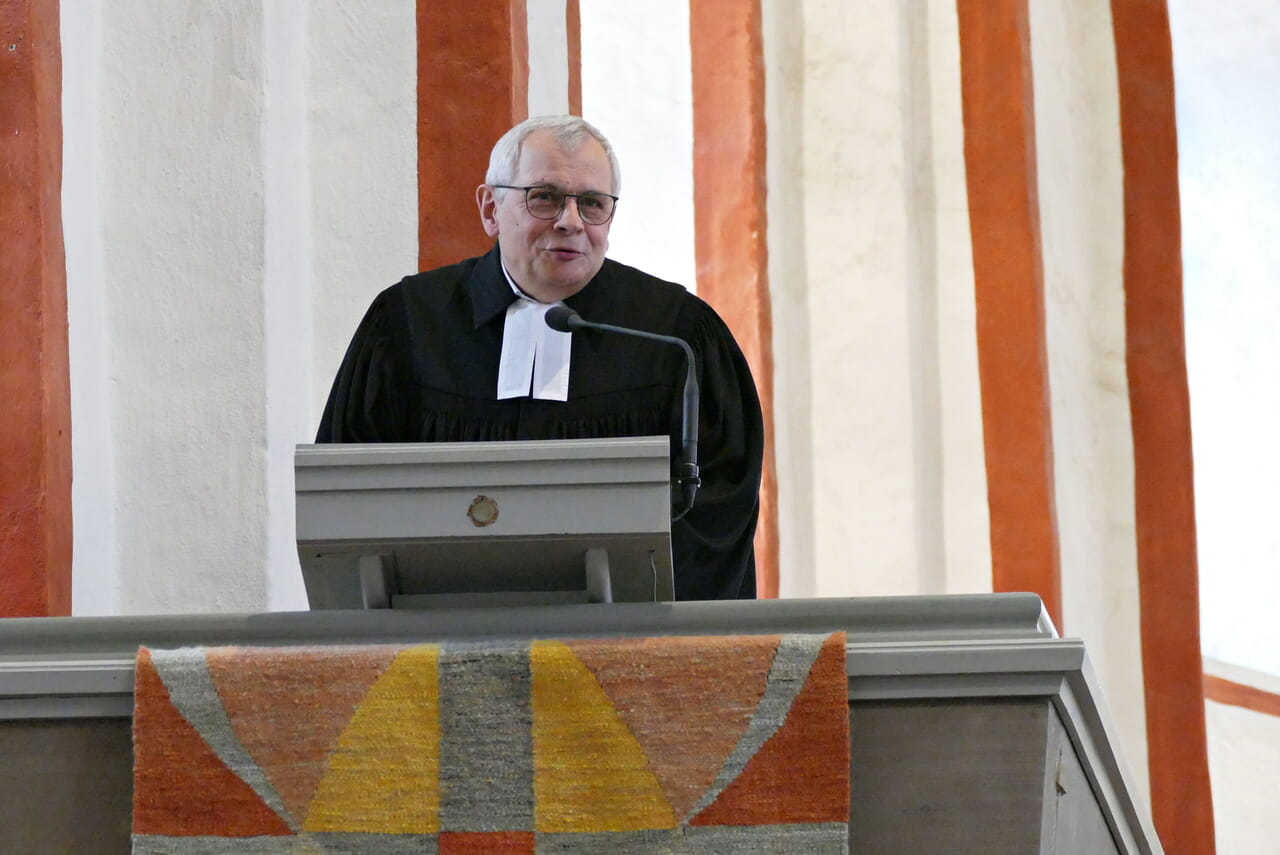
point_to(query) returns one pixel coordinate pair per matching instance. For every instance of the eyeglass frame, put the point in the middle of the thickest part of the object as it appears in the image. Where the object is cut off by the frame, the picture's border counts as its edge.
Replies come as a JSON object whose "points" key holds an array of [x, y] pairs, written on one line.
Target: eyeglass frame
{"points": [[565, 203]]}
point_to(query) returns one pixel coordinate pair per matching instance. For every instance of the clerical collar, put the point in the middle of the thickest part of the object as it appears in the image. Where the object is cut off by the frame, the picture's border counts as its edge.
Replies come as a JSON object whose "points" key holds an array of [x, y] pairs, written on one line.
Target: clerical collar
{"points": [[535, 358]]}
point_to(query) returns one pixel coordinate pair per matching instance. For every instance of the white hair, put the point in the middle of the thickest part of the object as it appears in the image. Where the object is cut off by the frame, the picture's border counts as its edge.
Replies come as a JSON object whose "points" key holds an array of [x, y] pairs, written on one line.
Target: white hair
{"points": [[568, 131]]}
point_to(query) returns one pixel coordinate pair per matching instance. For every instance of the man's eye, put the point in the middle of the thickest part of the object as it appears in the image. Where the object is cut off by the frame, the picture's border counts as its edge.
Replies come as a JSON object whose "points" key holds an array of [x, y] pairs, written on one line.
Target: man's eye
{"points": [[543, 196], [588, 200]]}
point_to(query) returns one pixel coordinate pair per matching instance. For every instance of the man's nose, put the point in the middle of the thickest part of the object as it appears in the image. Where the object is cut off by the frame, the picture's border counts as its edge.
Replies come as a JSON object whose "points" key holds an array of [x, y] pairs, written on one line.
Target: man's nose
{"points": [[570, 218]]}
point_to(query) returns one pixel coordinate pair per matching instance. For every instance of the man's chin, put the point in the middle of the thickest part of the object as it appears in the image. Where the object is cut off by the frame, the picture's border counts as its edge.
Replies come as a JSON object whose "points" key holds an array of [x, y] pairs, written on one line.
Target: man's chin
{"points": [[551, 289], [555, 291]]}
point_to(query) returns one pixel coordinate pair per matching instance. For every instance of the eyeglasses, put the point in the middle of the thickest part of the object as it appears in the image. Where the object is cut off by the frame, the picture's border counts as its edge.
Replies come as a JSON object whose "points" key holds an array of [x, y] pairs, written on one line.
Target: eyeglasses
{"points": [[547, 203]]}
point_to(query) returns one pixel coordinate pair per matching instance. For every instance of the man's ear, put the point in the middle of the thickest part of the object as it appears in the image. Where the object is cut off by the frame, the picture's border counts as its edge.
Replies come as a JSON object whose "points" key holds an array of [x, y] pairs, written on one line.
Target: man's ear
{"points": [[488, 205]]}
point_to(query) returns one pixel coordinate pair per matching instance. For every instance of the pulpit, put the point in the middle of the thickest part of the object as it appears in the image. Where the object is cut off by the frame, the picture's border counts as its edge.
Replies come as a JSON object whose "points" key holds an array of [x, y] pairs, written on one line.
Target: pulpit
{"points": [[973, 727]]}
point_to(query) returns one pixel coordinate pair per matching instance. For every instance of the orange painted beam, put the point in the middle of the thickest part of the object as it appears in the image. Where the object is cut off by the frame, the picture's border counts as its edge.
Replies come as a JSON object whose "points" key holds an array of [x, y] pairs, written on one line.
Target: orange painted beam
{"points": [[1160, 412], [729, 195], [573, 33], [473, 85], [35, 432], [1004, 219], [1241, 695]]}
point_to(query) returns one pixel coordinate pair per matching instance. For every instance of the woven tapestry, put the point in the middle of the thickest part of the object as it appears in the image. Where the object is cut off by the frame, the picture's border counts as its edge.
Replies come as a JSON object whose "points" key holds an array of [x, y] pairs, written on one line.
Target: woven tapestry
{"points": [[657, 745]]}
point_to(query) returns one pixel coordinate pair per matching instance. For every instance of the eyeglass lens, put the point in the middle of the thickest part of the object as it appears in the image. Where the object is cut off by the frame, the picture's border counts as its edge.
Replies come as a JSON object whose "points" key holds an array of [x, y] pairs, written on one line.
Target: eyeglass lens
{"points": [[546, 204]]}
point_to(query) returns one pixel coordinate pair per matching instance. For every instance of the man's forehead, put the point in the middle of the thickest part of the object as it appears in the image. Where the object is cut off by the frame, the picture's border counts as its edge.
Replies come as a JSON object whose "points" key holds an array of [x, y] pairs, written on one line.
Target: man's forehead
{"points": [[542, 153]]}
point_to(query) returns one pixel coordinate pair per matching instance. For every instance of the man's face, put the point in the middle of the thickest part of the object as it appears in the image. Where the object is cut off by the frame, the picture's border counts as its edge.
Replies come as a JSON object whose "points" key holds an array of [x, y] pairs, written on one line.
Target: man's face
{"points": [[549, 259]]}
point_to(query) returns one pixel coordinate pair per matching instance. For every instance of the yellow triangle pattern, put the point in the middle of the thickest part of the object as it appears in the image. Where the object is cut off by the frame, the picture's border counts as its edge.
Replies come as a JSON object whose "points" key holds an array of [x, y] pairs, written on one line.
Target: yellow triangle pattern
{"points": [[590, 773], [384, 773]]}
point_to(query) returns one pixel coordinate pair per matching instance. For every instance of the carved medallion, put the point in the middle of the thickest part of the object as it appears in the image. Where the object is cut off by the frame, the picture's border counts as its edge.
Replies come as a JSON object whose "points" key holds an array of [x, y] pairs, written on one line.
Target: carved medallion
{"points": [[483, 511]]}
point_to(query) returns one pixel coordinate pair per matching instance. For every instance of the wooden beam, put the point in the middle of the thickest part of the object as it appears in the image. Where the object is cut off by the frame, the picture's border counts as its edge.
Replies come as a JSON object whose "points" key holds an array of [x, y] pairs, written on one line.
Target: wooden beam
{"points": [[729, 197], [35, 386], [1004, 219], [1160, 412], [473, 85]]}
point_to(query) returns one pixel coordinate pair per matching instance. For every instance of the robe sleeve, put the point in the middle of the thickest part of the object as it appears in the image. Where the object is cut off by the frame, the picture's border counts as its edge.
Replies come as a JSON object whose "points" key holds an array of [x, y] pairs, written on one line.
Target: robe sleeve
{"points": [[713, 544], [364, 405]]}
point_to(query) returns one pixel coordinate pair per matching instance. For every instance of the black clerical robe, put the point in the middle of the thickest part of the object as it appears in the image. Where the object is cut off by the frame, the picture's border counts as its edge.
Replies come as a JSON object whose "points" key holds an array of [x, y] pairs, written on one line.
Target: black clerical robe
{"points": [[423, 367]]}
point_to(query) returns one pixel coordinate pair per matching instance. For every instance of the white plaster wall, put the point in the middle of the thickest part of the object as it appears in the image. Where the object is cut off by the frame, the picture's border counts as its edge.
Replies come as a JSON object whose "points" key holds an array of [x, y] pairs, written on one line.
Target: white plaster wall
{"points": [[363, 171], [548, 58], [637, 88], [288, 280], [241, 180], [921, 288], [182, 233], [1244, 766], [871, 261], [1081, 197], [966, 522], [96, 566], [783, 32], [856, 251], [1244, 754]]}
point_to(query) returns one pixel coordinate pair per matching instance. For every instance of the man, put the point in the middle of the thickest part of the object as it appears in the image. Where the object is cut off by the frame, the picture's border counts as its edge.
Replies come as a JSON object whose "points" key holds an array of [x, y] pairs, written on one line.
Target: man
{"points": [[463, 353]]}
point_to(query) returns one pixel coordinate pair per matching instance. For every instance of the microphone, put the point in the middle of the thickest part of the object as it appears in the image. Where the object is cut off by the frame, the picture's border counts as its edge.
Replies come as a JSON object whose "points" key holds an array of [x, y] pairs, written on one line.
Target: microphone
{"points": [[564, 319]]}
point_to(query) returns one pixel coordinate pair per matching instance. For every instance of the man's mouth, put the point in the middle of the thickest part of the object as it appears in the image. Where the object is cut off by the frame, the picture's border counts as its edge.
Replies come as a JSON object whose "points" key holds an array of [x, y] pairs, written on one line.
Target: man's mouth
{"points": [[562, 253]]}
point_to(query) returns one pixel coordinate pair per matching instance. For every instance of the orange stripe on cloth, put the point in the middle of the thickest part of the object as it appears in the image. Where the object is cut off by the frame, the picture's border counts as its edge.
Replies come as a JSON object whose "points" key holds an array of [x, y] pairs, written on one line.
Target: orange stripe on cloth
{"points": [[35, 384], [1168, 577], [488, 843], [1004, 219], [729, 197], [473, 85]]}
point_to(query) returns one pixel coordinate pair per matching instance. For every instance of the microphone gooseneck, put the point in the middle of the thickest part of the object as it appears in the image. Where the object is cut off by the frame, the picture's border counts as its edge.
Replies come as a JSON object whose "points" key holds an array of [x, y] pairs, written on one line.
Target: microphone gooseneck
{"points": [[564, 319]]}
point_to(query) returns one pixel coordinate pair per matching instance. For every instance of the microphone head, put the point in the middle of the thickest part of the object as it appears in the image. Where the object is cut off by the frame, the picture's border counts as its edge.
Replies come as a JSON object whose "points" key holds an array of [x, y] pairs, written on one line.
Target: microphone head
{"points": [[563, 319]]}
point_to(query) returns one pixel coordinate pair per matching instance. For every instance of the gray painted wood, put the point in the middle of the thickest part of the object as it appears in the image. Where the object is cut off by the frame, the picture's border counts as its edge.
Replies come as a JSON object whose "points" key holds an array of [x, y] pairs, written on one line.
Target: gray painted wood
{"points": [[963, 777], [969, 777], [66, 786], [1072, 820]]}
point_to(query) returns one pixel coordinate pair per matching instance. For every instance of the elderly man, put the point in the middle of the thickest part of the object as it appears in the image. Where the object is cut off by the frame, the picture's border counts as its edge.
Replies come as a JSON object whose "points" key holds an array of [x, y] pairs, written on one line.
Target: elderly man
{"points": [[463, 353]]}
